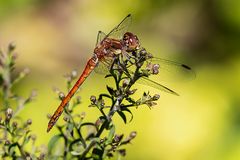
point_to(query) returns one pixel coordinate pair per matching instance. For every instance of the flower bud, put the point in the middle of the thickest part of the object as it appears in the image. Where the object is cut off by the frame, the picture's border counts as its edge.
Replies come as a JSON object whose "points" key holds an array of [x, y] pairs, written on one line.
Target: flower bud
{"points": [[132, 91], [118, 138], [155, 68], [42, 156], [9, 113], [78, 99], [26, 71], [149, 56], [143, 52], [29, 122], [93, 99], [102, 103], [156, 97], [102, 140], [11, 47], [68, 78], [14, 124], [83, 115], [122, 152], [66, 119], [28, 158], [33, 94], [74, 74], [114, 147], [125, 83], [110, 155], [61, 95], [33, 137], [139, 64], [7, 142], [149, 66], [133, 134]]}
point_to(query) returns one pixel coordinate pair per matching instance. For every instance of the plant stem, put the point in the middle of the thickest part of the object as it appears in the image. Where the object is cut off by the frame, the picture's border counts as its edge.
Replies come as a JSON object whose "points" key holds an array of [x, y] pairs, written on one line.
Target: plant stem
{"points": [[103, 126], [93, 142], [78, 131]]}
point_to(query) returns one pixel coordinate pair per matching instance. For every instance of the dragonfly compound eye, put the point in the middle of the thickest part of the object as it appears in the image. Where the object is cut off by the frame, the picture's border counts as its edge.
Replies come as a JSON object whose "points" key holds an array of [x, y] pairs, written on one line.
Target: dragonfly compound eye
{"points": [[131, 41]]}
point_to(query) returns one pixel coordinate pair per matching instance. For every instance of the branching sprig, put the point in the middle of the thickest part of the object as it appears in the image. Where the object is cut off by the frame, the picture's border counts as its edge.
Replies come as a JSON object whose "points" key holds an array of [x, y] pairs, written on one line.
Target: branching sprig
{"points": [[101, 140], [15, 135], [76, 138]]}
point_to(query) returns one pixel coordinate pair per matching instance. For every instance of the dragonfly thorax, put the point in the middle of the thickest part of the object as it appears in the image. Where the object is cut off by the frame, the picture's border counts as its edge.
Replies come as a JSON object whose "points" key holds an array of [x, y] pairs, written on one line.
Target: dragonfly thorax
{"points": [[108, 48]]}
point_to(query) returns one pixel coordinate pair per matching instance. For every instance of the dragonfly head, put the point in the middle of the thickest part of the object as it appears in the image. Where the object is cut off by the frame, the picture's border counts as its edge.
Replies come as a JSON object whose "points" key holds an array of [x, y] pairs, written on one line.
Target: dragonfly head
{"points": [[131, 41]]}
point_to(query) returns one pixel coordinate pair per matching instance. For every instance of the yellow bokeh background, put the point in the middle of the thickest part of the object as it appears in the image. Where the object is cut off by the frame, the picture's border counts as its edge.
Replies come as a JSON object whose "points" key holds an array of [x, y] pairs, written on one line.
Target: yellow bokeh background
{"points": [[203, 123]]}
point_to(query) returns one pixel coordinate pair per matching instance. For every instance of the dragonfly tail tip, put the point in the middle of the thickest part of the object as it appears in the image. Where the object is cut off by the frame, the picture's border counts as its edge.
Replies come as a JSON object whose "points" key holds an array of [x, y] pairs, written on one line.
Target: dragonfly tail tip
{"points": [[49, 128]]}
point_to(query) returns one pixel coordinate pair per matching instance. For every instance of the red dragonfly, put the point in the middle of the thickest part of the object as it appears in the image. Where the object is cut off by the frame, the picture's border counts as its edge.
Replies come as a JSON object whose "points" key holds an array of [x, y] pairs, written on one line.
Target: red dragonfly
{"points": [[121, 41]]}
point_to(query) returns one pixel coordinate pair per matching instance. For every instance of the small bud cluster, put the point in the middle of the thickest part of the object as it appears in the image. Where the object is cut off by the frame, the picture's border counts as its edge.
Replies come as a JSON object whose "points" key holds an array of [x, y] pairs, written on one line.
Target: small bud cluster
{"points": [[15, 132]]}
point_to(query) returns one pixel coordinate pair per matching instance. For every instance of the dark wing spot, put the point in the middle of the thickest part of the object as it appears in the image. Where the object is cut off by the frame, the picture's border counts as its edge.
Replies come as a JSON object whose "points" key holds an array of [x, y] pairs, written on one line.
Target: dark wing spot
{"points": [[185, 66], [128, 15]]}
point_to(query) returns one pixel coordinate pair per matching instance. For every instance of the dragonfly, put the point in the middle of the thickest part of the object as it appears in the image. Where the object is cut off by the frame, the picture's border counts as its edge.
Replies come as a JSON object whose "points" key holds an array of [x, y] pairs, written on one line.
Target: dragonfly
{"points": [[118, 40]]}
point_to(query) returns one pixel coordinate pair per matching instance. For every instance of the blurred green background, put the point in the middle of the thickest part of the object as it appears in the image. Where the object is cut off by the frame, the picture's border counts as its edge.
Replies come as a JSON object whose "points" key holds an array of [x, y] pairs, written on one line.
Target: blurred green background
{"points": [[55, 37]]}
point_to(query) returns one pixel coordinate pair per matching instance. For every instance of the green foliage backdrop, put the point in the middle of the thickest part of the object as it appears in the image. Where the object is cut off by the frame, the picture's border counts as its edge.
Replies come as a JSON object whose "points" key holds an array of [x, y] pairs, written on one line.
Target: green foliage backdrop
{"points": [[55, 37]]}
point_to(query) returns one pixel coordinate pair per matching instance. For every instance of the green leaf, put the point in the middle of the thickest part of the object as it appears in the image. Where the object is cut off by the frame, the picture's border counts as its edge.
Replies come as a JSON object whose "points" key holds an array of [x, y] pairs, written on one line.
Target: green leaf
{"points": [[53, 141], [88, 124], [130, 100], [123, 116], [127, 110], [109, 75], [104, 95], [145, 94], [103, 118], [92, 105], [75, 153], [110, 90]]}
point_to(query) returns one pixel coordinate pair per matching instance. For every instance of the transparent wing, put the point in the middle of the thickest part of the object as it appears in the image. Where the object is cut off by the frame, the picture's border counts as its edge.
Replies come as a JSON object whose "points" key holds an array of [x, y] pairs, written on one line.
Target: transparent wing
{"points": [[121, 28], [151, 83], [101, 68], [173, 71], [104, 66], [101, 35]]}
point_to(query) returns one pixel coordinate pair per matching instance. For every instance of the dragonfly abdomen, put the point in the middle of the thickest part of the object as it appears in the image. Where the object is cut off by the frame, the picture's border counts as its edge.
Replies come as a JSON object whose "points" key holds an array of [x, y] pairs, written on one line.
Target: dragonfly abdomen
{"points": [[91, 64]]}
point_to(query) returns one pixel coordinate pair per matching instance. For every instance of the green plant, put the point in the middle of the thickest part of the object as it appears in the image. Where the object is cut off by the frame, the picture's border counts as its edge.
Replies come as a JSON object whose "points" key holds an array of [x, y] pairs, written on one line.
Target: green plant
{"points": [[71, 142], [15, 133], [95, 145]]}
